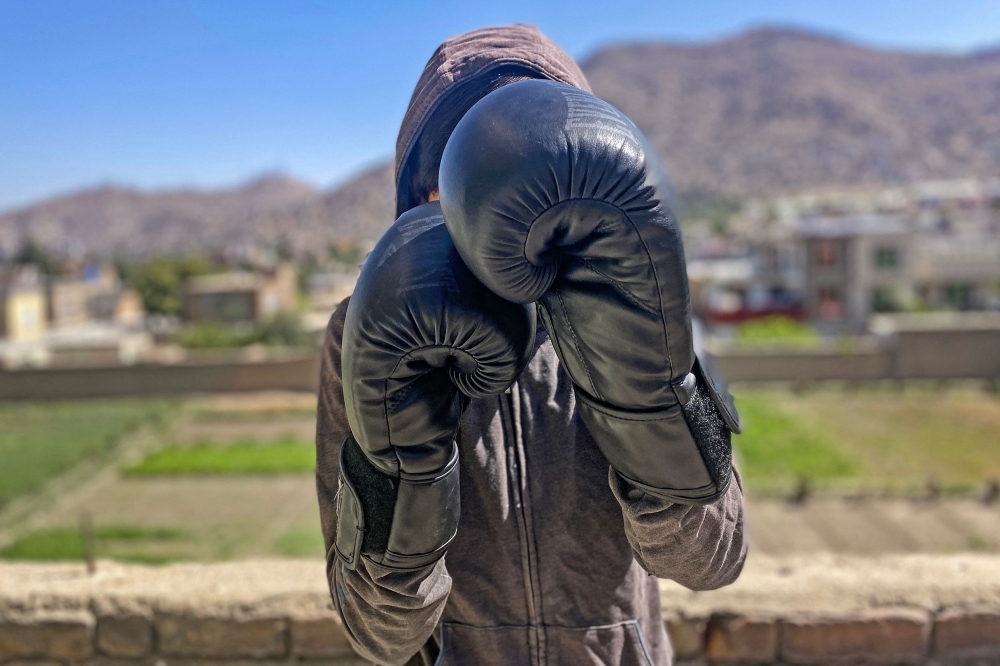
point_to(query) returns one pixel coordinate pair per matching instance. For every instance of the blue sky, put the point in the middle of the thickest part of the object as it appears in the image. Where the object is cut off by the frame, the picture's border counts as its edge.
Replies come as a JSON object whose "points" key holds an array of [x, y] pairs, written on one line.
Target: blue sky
{"points": [[157, 93]]}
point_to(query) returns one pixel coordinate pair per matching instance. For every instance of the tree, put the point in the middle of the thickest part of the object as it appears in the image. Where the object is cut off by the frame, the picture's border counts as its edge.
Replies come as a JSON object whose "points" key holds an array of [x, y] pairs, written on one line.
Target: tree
{"points": [[285, 330], [160, 281]]}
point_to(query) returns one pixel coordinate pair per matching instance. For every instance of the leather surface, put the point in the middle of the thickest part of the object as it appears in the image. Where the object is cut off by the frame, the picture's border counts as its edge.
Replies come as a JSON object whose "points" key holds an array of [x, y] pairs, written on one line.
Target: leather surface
{"points": [[551, 194], [422, 336], [350, 519]]}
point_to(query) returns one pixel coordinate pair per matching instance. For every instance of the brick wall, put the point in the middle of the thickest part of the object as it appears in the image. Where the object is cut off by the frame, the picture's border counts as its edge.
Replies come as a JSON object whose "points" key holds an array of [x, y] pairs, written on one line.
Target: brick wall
{"points": [[79, 636], [917, 354], [949, 346], [892, 635], [883, 636], [294, 372], [902, 610]]}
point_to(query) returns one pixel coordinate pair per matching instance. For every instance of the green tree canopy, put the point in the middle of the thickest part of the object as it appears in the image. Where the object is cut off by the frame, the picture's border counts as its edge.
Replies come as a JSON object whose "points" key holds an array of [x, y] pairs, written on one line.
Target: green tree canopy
{"points": [[160, 281]]}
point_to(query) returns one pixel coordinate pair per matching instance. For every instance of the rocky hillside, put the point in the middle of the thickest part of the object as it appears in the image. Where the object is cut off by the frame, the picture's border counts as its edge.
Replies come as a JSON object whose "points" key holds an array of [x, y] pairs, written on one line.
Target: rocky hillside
{"points": [[114, 220], [363, 207], [766, 111], [774, 110]]}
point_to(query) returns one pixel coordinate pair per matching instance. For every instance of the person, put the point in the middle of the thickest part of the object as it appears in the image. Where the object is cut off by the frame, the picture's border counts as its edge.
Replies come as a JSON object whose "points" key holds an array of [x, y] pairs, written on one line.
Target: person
{"points": [[555, 554]]}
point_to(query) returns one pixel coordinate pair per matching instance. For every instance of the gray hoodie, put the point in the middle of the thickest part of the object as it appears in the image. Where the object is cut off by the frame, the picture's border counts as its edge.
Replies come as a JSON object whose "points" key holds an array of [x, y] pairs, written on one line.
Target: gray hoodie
{"points": [[555, 557]]}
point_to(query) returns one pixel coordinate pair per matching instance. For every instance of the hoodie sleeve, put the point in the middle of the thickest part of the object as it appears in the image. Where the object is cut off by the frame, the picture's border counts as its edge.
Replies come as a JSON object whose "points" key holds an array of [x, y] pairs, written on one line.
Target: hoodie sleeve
{"points": [[700, 547], [388, 615]]}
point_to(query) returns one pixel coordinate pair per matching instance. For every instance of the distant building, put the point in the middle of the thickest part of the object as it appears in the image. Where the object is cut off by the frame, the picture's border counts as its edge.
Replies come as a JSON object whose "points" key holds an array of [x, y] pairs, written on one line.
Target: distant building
{"points": [[957, 273], [22, 304], [67, 302], [97, 343], [328, 289], [96, 295], [854, 266], [89, 320], [119, 306], [762, 280], [839, 256], [240, 296]]}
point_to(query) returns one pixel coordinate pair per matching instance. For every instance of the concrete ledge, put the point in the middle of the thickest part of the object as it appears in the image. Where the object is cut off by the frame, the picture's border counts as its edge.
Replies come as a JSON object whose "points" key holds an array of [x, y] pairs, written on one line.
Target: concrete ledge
{"points": [[290, 372], [815, 610]]}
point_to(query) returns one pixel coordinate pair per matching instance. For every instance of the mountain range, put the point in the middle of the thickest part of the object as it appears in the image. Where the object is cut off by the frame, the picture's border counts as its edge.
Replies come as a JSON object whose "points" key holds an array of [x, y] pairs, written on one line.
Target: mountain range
{"points": [[766, 111], [775, 110]]}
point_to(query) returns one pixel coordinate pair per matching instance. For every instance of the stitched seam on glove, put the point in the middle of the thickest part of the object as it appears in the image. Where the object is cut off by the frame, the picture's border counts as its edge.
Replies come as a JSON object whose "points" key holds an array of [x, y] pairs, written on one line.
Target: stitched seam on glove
{"points": [[576, 344], [639, 420], [659, 293], [625, 292], [667, 413], [397, 397], [681, 495], [419, 556], [388, 426]]}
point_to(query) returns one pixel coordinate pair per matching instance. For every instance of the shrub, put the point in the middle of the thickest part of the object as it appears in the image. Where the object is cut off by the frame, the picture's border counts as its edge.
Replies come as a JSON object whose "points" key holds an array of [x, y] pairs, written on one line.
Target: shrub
{"points": [[776, 330]]}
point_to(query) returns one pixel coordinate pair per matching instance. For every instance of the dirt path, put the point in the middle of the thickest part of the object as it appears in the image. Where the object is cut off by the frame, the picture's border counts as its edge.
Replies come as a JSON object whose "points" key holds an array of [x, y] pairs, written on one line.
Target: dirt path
{"points": [[873, 526], [248, 428], [233, 517]]}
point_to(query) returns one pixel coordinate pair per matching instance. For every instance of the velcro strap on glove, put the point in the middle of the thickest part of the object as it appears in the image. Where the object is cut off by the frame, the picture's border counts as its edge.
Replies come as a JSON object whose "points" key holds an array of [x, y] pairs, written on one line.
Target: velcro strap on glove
{"points": [[682, 453], [401, 523]]}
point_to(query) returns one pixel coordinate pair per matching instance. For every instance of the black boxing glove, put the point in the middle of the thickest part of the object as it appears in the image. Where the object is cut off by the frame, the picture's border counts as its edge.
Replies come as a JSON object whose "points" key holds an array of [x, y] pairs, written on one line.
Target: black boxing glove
{"points": [[421, 337], [551, 194]]}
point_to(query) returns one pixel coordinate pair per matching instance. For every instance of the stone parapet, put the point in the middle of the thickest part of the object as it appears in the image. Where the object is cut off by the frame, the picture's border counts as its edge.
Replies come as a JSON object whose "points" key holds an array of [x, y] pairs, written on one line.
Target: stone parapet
{"points": [[808, 610]]}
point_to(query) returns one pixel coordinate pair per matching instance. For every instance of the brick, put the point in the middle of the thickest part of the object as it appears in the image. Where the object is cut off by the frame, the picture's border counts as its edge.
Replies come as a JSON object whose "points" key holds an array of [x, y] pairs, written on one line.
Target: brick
{"points": [[687, 636], [66, 635], [885, 636], [124, 636], [187, 636], [319, 637], [738, 639], [967, 633]]}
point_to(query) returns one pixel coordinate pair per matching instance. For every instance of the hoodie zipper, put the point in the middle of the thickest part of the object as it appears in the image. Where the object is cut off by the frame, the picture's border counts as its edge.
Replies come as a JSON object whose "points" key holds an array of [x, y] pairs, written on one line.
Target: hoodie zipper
{"points": [[517, 478]]}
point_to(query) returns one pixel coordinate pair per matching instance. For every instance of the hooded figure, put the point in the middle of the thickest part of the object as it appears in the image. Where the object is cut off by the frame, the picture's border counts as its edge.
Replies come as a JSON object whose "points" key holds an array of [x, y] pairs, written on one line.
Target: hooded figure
{"points": [[555, 556]]}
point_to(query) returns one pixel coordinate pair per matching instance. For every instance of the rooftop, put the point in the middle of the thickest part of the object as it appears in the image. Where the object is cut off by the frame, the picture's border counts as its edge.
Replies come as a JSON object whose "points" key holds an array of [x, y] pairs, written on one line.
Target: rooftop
{"points": [[852, 225], [223, 282]]}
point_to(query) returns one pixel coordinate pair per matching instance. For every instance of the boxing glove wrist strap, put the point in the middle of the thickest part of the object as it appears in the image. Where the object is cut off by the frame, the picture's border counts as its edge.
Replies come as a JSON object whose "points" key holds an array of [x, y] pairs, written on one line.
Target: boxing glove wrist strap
{"points": [[401, 523], [681, 453]]}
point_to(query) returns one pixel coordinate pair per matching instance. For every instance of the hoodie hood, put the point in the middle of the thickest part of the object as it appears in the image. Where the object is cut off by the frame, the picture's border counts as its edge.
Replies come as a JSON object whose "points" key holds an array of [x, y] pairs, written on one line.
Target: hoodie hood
{"points": [[463, 70]]}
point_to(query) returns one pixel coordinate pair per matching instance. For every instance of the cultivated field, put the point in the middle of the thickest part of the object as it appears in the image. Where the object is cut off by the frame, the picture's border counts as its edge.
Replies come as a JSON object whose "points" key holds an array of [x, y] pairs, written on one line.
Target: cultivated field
{"points": [[39, 441], [863, 471], [226, 477], [880, 438]]}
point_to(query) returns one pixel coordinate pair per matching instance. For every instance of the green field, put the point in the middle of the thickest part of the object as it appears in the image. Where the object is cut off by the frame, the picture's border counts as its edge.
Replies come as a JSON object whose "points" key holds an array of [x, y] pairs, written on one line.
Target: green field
{"points": [[879, 438], [227, 476], [231, 476], [243, 457], [300, 543], [41, 440], [122, 542]]}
